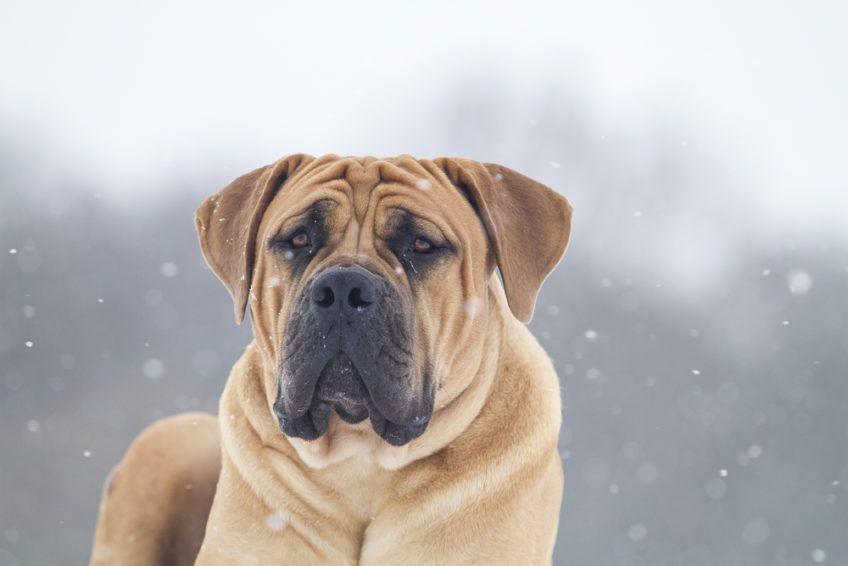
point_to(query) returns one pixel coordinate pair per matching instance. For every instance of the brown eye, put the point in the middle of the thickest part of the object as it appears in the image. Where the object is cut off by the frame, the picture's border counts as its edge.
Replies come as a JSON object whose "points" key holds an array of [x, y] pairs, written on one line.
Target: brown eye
{"points": [[422, 245], [300, 240]]}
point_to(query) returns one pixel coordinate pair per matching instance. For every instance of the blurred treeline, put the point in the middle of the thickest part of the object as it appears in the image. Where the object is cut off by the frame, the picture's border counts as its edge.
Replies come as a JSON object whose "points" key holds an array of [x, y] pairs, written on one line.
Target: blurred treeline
{"points": [[702, 352]]}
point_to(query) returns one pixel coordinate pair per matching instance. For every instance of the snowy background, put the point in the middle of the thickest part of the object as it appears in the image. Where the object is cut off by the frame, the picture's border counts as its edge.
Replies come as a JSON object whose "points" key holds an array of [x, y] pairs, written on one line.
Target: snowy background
{"points": [[698, 322]]}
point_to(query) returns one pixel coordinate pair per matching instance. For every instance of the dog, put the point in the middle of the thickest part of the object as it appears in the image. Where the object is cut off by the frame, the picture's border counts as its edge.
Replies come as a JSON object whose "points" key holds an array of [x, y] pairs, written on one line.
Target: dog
{"points": [[392, 407]]}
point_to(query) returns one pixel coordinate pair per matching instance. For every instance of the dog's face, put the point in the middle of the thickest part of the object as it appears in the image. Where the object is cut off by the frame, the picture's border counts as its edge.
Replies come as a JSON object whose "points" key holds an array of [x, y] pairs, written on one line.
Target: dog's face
{"points": [[360, 278], [367, 279]]}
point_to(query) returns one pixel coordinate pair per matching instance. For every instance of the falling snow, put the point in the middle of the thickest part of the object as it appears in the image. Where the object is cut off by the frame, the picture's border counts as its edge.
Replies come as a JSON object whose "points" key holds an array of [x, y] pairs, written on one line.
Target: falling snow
{"points": [[169, 269], [689, 398], [276, 521], [153, 368], [637, 532], [818, 555], [800, 282], [472, 306]]}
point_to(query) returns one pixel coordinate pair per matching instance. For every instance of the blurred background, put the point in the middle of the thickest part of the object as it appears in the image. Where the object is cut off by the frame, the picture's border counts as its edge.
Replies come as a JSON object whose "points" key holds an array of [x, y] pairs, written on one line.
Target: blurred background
{"points": [[698, 322]]}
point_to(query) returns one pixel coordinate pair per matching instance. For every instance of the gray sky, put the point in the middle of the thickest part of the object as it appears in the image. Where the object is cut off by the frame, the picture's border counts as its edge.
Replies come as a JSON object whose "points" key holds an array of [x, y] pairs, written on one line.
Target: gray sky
{"points": [[123, 86]]}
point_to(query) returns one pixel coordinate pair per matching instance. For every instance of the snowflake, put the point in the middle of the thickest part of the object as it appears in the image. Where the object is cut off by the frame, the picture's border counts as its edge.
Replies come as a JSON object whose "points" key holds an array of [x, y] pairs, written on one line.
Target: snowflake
{"points": [[276, 521]]}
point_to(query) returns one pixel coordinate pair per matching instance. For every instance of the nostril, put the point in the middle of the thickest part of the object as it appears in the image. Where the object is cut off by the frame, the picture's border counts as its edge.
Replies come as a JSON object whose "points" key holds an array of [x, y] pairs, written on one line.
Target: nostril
{"points": [[356, 300], [325, 297]]}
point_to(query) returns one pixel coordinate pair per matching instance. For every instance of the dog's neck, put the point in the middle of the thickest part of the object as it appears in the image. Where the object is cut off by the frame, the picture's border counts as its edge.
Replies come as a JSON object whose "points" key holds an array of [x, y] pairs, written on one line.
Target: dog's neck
{"points": [[246, 409]]}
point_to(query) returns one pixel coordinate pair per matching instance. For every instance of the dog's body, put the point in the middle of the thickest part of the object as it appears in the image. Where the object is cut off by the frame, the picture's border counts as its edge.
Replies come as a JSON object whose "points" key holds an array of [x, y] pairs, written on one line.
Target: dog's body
{"points": [[451, 459]]}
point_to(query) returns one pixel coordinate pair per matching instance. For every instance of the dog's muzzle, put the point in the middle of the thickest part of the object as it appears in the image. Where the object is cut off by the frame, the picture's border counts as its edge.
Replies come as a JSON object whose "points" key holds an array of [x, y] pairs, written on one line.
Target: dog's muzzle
{"points": [[348, 350]]}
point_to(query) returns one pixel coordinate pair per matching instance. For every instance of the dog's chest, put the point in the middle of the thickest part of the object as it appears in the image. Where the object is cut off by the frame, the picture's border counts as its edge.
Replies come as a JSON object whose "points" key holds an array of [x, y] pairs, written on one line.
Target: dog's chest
{"points": [[358, 483]]}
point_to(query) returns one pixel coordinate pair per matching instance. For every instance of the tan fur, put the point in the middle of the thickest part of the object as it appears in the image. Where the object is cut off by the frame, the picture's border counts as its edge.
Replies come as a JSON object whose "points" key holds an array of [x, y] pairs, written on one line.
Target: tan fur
{"points": [[156, 501], [482, 485]]}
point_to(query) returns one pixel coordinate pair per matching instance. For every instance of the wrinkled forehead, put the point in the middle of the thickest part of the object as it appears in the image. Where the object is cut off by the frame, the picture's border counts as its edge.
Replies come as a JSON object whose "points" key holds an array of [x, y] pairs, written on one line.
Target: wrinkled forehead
{"points": [[363, 183]]}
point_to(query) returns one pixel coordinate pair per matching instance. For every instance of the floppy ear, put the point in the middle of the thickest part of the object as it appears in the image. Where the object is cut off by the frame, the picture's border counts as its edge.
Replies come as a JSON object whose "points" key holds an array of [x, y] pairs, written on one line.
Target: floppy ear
{"points": [[528, 225], [227, 223]]}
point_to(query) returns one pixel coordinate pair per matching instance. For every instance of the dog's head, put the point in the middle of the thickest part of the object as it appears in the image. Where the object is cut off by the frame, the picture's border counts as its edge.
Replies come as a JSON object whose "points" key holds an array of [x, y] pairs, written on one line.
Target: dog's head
{"points": [[367, 278]]}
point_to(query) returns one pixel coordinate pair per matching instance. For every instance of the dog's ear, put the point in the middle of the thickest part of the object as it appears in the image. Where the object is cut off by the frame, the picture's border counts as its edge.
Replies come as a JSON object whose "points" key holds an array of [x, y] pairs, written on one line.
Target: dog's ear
{"points": [[227, 223], [528, 225]]}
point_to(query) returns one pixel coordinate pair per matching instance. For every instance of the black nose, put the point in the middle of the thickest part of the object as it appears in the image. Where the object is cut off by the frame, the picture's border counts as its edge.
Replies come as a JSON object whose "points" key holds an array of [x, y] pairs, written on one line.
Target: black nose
{"points": [[352, 290]]}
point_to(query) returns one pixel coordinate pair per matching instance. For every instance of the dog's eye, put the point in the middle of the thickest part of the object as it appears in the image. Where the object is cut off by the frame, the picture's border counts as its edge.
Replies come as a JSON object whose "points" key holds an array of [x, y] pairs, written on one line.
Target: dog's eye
{"points": [[299, 240], [422, 245]]}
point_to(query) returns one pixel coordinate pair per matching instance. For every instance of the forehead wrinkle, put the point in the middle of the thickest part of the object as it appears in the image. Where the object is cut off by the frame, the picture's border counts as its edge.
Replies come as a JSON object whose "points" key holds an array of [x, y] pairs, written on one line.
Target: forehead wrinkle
{"points": [[438, 186], [417, 170], [363, 183], [302, 197], [367, 172], [323, 169], [362, 176], [424, 206], [320, 176], [403, 170]]}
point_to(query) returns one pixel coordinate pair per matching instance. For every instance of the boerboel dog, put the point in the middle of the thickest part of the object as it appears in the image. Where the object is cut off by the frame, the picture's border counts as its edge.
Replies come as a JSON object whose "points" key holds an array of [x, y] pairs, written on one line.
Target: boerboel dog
{"points": [[392, 407]]}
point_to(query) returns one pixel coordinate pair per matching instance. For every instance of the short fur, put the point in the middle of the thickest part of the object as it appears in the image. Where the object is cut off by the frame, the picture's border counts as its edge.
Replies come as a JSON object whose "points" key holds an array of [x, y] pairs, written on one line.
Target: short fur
{"points": [[480, 483]]}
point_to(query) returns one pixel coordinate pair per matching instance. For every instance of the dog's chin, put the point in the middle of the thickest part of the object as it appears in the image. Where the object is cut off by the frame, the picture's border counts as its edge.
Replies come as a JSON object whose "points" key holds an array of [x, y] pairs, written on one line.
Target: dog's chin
{"points": [[340, 389]]}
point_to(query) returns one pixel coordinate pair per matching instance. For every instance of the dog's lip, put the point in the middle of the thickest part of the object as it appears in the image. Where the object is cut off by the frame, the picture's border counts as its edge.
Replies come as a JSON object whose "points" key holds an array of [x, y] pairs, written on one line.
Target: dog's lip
{"points": [[311, 420], [398, 434], [308, 402], [349, 417], [296, 408], [315, 421], [309, 426], [309, 399]]}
